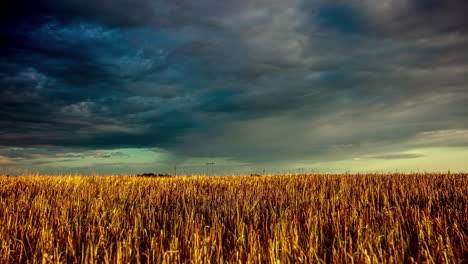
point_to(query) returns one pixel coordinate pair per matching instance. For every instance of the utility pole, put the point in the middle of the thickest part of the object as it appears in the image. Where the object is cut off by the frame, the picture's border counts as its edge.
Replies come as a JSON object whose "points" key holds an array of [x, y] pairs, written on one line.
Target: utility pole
{"points": [[208, 164], [175, 170]]}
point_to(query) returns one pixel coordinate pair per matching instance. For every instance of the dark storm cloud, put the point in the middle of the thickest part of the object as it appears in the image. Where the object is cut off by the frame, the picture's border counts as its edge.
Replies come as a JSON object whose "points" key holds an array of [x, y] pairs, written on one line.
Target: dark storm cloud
{"points": [[399, 156], [342, 18], [251, 80], [48, 155]]}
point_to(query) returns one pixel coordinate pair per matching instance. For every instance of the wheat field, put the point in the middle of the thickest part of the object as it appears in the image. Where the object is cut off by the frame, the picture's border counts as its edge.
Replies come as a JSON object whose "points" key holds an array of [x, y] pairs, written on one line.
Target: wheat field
{"points": [[372, 218]]}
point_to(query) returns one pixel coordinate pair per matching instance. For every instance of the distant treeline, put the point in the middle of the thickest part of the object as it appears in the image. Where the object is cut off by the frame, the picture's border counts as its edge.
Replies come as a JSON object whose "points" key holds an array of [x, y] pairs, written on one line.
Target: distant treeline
{"points": [[169, 175], [154, 175]]}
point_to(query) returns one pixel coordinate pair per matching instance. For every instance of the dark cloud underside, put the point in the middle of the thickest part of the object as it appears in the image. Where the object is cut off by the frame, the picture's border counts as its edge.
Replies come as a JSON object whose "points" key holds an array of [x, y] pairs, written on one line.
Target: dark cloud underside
{"points": [[250, 80]]}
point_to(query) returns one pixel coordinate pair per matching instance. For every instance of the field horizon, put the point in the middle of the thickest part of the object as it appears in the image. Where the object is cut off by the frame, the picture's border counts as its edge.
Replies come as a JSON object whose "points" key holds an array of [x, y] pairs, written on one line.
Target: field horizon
{"points": [[254, 174]]}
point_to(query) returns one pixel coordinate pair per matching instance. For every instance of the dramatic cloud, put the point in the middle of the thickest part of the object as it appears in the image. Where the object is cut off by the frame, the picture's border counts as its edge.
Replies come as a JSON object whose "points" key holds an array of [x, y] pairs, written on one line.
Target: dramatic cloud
{"points": [[400, 156], [247, 82]]}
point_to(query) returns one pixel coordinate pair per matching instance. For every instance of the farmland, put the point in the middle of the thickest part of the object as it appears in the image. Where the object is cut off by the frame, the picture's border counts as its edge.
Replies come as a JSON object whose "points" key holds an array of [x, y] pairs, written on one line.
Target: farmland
{"points": [[391, 218]]}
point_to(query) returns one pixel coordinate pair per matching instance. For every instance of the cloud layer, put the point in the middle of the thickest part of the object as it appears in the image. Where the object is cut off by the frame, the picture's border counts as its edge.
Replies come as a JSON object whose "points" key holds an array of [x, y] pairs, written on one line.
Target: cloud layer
{"points": [[254, 81]]}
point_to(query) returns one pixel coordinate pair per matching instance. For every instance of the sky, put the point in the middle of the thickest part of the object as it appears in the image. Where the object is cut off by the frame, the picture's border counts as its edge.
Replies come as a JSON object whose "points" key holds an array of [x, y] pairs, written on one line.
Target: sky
{"points": [[330, 86]]}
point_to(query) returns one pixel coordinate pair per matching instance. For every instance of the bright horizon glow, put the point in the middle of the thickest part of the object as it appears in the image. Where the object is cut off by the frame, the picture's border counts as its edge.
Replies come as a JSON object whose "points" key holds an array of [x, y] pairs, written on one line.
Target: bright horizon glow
{"points": [[138, 161]]}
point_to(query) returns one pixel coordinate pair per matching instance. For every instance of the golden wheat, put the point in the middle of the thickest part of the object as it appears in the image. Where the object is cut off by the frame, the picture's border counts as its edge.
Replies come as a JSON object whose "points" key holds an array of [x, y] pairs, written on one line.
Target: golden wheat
{"points": [[393, 218]]}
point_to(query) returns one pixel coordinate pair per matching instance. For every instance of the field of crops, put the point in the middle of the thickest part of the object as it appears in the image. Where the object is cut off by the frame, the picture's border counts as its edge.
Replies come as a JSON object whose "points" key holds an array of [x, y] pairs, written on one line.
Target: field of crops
{"points": [[392, 218]]}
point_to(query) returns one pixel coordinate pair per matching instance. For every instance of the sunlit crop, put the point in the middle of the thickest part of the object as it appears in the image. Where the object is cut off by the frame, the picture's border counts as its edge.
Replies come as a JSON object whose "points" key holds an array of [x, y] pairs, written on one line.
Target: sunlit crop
{"points": [[392, 218]]}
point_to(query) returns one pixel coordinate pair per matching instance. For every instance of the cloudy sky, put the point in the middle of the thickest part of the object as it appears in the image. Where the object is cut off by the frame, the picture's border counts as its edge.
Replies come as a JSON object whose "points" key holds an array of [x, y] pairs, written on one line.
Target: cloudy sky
{"points": [[132, 86]]}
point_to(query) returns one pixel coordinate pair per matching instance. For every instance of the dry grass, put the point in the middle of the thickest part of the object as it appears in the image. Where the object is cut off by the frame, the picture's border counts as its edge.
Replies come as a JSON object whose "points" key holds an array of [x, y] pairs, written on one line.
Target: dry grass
{"points": [[272, 219]]}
